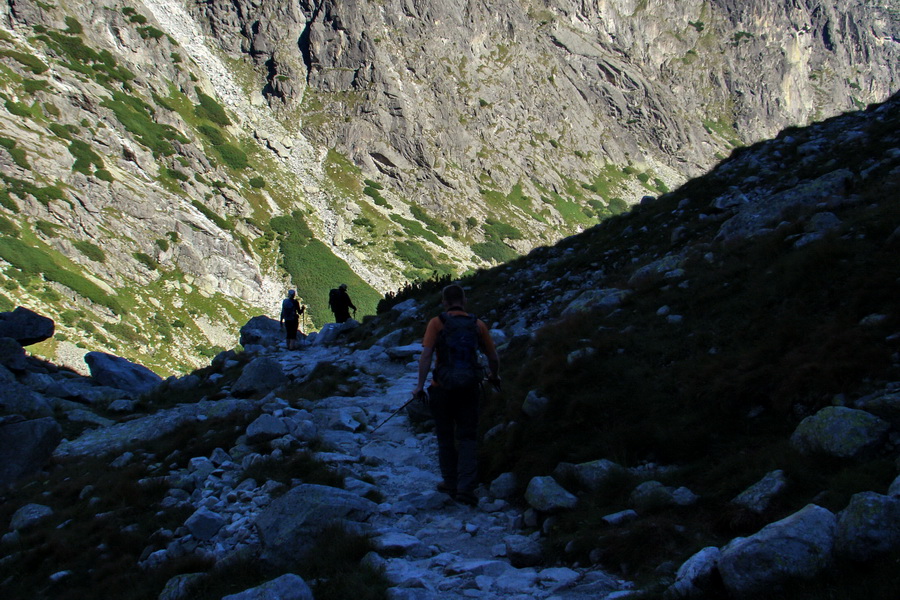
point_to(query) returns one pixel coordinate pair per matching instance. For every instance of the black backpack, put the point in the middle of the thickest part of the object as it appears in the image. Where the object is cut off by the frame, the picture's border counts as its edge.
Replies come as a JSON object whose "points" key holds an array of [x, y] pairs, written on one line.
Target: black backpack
{"points": [[335, 299], [457, 350]]}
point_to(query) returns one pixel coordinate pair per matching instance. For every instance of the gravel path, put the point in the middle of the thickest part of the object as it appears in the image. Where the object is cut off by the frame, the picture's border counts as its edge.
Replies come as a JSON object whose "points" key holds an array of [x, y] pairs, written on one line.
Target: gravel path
{"points": [[430, 546]]}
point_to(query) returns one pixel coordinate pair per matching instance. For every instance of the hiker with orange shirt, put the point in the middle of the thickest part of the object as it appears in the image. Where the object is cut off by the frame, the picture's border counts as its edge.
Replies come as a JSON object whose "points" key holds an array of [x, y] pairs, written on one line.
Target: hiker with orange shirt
{"points": [[456, 337]]}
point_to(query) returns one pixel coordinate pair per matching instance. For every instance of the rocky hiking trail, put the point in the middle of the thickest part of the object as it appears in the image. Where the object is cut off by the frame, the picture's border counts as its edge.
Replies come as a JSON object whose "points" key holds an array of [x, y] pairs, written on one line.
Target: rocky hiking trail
{"points": [[429, 545]]}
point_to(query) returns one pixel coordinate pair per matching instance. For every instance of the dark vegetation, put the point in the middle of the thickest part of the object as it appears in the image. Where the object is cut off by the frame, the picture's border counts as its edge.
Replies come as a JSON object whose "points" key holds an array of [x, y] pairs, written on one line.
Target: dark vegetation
{"points": [[770, 333]]}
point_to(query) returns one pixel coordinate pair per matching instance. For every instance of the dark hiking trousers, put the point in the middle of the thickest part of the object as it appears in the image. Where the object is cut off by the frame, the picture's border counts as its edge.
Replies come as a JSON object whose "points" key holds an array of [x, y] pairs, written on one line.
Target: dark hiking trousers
{"points": [[456, 425]]}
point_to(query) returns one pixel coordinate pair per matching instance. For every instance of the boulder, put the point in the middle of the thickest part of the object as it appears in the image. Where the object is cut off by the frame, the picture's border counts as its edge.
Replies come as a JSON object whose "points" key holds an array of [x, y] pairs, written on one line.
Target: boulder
{"points": [[504, 486], [266, 427], [869, 527], [654, 273], [117, 372], [262, 331], [653, 495], [25, 447], [760, 495], [799, 546], [26, 326], [884, 403], [260, 375], [286, 587], [535, 405], [594, 474], [17, 399], [840, 431], [204, 524], [289, 525], [606, 299], [696, 575], [522, 551], [546, 495], [29, 515]]}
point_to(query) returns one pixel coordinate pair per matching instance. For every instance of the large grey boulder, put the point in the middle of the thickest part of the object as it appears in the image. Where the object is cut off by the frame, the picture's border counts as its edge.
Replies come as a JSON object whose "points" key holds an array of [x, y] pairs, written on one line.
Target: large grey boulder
{"points": [[26, 326], [259, 376], [262, 331], [29, 515], [523, 551], [593, 475], [653, 495], [869, 527], [266, 427], [121, 436], [546, 495], [289, 525], [797, 547], [286, 587], [884, 403], [696, 575], [25, 446], [759, 496], [840, 431], [204, 524], [117, 372], [17, 399]]}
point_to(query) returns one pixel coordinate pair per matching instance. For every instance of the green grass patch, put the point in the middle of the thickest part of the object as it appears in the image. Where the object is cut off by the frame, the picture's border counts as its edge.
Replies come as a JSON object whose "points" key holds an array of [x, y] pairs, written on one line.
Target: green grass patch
{"points": [[29, 61], [85, 157], [211, 110], [415, 229], [315, 270], [233, 156], [18, 154], [137, 117], [90, 250], [42, 261]]}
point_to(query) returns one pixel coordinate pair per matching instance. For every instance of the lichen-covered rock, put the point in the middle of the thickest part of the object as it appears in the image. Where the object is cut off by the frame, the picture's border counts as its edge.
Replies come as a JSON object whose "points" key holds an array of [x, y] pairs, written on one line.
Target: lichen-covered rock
{"points": [[260, 375], [840, 431], [797, 547], [288, 527], [546, 495], [760, 495], [869, 527]]}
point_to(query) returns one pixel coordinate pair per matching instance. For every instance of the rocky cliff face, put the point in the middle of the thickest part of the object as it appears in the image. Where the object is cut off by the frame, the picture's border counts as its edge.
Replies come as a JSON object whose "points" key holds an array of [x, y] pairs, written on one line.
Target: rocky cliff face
{"points": [[447, 98]]}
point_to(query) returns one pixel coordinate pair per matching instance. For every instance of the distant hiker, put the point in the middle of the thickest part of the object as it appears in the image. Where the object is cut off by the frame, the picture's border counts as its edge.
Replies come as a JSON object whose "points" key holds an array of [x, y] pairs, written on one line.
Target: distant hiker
{"points": [[290, 318], [340, 303], [456, 337]]}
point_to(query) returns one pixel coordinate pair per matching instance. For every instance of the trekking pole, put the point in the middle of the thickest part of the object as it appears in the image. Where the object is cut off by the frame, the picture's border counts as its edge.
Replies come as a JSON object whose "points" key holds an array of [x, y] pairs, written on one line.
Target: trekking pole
{"points": [[396, 412]]}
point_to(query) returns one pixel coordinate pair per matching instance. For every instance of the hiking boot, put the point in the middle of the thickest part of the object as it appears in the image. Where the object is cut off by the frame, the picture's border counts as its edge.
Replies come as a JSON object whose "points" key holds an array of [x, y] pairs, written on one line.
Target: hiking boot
{"points": [[467, 498], [447, 489]]}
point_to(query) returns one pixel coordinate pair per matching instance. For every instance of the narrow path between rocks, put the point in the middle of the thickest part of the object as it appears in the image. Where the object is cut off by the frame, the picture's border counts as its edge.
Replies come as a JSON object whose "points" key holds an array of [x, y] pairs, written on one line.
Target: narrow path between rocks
{"points": [[430, 546]]}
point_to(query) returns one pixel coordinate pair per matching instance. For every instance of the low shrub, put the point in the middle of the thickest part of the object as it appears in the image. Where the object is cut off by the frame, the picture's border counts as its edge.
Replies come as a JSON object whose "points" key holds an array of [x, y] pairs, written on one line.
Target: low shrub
{"points": [[233, 156], [30, 62], [90, 250], [211, 110]]}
